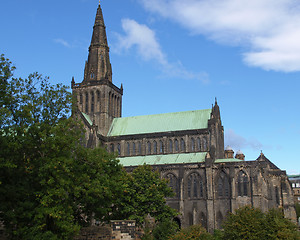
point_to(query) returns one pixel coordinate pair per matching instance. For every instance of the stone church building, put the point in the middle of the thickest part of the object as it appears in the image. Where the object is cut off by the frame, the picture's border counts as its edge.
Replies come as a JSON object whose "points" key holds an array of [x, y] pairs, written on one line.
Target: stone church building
{"points": [[186, 147]]}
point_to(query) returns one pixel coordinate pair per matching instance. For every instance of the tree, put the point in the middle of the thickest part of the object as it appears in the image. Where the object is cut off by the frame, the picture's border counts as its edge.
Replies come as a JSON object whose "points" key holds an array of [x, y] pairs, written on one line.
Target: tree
{"points": [[251, 223], [144, 195], [192, 232], [50, 184]]}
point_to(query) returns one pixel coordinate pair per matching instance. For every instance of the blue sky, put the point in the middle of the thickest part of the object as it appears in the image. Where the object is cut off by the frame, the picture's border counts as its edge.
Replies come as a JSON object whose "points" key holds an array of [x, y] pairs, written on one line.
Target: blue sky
{"points": [[174, 55]]}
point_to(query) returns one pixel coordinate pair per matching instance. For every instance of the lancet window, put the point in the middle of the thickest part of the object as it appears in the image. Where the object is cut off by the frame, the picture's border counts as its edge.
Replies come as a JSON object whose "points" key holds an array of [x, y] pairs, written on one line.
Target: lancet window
{"points": [[173, 183], [161, 147], [155, 147], [182, 145], [242, 184], [170, 146], [223, 185], [192, 145], [195, 186]]}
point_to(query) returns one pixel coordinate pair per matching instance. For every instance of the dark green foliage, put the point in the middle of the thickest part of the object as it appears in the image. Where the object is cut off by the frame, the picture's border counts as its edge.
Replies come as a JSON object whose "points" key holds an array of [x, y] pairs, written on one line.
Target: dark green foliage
{"points": [[49, 184], [251, 223], [193, 232], [165, 229], [144, 194]]}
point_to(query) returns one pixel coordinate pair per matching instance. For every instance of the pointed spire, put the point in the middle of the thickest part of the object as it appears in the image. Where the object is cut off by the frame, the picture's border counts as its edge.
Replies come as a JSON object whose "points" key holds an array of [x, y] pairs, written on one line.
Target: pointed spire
{"points": [[98, 66]]}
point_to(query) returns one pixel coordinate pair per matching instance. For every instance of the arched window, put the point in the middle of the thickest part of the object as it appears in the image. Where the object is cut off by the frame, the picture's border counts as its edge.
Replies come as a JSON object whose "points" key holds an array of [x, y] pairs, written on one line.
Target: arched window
{"points": [[128, 149], [98, 100], [112, 147], [92, 102], [198, 144], [242, 184], [140, 148], [170, 146], [155, 147], [173, 183], [204, 144], [86, 102], [176, 145], [119, 149], [133, 148], [80, 98], [182, 145], [161, 147], [195, 186], [192, 145], [223, 185], [277, 196], [148, 147]]}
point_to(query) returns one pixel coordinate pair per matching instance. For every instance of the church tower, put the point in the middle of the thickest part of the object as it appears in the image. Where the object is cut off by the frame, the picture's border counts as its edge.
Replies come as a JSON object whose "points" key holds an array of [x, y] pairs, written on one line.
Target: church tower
{"points": [[99, 101]]}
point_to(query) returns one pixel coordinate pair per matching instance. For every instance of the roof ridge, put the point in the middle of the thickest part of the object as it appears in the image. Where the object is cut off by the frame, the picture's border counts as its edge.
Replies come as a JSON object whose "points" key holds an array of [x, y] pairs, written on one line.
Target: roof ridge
{"points": [[157, 114]]}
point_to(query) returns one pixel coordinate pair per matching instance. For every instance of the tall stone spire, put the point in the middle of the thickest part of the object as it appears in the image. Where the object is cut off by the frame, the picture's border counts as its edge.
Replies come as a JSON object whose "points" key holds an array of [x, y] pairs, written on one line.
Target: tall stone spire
{"points": [[98, 65]]}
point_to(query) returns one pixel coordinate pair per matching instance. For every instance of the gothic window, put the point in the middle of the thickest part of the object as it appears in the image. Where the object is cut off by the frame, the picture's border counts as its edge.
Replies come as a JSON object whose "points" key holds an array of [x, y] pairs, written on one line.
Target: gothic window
{"points": [[198, 144], [277, 195], [195, 186], [170, 146], [173, 183], [119, 149], [182, 145], [102, 64], [92, 75], [112, 105], [109, 103], [176, 145], [140, 148], [80, 98], [148, 147], [133, 148], [155, 147], [128, 149], [86, 102], [223, 185], [112, 147], [98, 100], [192, 145], [92, 102], [204, 144], [161, 147], [242, 184]]}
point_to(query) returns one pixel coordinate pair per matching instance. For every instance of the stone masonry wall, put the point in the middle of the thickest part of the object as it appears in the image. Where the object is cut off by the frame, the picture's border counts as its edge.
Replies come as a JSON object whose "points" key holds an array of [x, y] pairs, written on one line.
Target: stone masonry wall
{"points": [[118, 230]]}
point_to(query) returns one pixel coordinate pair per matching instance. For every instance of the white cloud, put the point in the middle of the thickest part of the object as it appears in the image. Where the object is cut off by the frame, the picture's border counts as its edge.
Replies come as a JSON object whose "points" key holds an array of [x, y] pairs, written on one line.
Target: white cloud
{"points": [[238, 142], [62, 42], [270, 30], [144, 40]]}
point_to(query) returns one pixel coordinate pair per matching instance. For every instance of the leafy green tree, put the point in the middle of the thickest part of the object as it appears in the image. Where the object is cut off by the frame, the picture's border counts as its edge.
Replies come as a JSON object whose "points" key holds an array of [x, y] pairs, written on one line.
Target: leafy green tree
{"points": [[165, 229], [279, 227], [50, 184], [144, 194], [192, 232], [251, 223]]}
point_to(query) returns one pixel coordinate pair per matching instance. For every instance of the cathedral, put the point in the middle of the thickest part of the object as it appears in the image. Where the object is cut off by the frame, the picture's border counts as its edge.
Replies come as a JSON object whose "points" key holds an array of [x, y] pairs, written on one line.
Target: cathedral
{"points": [[187, 148]]}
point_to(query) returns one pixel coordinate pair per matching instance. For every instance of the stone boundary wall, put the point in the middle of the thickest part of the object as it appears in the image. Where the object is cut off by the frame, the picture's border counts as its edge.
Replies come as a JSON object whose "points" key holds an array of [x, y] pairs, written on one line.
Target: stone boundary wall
{"points": [[117, 230]]}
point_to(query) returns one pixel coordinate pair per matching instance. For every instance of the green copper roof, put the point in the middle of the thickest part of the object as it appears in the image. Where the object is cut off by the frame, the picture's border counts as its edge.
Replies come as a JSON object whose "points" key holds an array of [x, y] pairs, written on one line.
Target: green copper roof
{"points": [[87, 117], [166, 122], [224, 160], [163, 159], [170, 159]]}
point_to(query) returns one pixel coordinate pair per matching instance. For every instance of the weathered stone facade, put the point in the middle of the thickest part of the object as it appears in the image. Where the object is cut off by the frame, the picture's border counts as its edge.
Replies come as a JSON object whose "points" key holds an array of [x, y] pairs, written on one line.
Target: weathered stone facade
{"points": [[187, 148]]}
